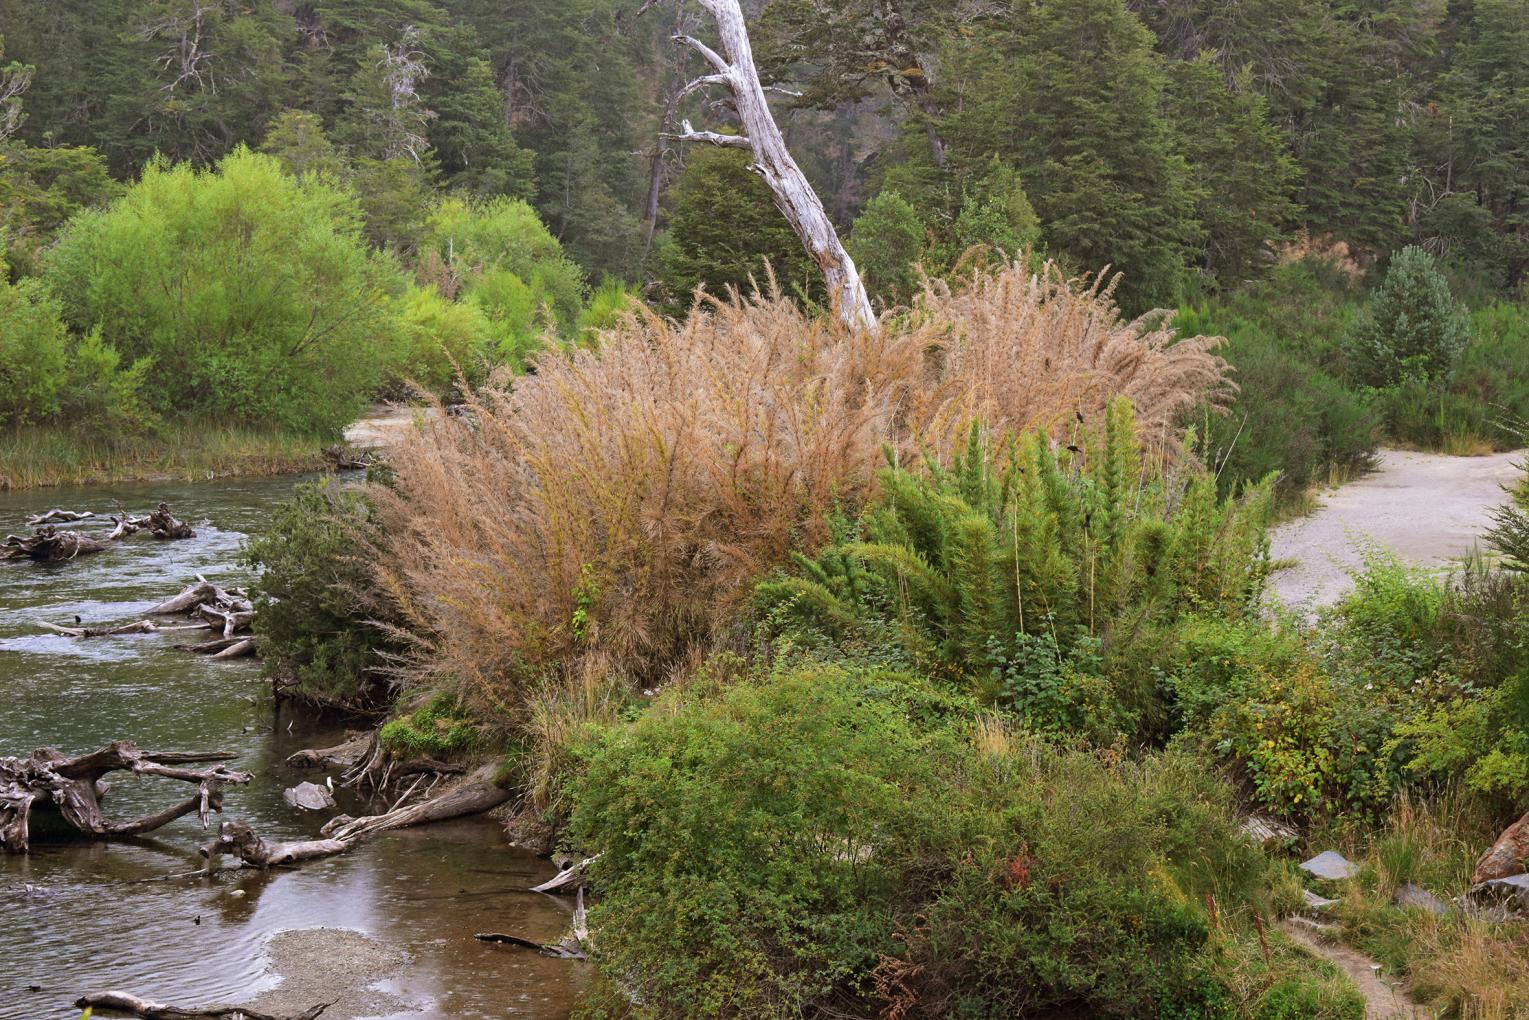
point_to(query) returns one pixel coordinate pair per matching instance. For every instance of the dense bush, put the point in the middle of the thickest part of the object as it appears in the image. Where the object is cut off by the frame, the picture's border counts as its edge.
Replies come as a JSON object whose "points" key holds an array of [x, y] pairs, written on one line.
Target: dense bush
{"points": [[317, 621], [251, 292], [1294, 413], [624, 498], [1412, 330], [440, 341], [840, 839], [1510, 530], [1027, 569]]}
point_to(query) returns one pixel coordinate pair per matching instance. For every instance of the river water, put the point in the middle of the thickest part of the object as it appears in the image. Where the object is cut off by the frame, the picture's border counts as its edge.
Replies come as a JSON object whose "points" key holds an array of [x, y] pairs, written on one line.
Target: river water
{"points": [[75, 917]]}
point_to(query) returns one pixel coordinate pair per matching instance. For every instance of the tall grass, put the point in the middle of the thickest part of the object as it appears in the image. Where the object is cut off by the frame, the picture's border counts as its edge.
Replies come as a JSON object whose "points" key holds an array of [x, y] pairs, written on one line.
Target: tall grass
{"points": [[37, 457], [624, 498]]}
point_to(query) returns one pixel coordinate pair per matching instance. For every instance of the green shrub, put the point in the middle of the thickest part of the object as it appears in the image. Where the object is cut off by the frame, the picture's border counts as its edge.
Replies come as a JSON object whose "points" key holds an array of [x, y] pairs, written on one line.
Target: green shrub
{"points": [[885, 242], [796, 843], [1018, 569], [34, 353], [315, 619], [1297, 999], [439, 729], [440, 340], [1510, 529], [1412, 329], [252, 293]]}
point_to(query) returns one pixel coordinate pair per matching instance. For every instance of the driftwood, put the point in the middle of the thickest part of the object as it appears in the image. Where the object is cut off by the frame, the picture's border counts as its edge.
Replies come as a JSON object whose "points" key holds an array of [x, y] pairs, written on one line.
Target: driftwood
{"points": [[570, 947], [122, 1002], [48, 544], [341, 755], [341, 458], [237, 650], [477, 794], [570, 877], [58, 516], [162, 524], [140, 627], [74, 787]]}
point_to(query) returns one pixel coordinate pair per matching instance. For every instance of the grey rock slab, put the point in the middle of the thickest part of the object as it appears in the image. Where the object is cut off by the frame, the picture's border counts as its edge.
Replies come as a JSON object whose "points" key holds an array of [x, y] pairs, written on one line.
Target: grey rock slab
{"points": [[309, 796], [1331, 866]]}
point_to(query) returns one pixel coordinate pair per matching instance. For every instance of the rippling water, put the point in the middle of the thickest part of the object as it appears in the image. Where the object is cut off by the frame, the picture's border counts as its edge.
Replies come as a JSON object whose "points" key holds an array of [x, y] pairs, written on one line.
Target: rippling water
{"points": [[74, 918]]}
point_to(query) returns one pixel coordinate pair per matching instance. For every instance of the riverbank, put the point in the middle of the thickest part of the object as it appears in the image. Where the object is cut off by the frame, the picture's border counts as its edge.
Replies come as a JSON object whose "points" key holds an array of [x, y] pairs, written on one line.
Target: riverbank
{"points": [[36, 458], [40, 458]]}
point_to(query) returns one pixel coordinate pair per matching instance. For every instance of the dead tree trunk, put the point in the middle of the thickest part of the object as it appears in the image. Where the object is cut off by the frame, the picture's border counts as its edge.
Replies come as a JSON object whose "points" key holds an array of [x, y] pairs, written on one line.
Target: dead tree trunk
{"points": [[123, 1002], [74, 787], [772, 160], [50, 545]]}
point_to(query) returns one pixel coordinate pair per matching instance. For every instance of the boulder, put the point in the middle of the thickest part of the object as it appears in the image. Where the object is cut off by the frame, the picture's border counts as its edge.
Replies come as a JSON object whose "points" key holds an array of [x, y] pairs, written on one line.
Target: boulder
{"points": [[309, 796], [1506, 856]]}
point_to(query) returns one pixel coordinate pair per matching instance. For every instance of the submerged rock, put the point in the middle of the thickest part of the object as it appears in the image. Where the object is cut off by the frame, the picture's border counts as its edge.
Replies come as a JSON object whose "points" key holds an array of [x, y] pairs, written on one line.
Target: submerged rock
{"points": [[309, 796], [1330, 866]]}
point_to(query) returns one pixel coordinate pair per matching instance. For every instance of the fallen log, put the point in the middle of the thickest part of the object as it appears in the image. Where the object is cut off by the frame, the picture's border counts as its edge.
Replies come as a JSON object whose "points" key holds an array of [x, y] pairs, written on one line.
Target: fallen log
{"points": [[570, 947], [212, 646], [122, 1002], [58, 516], [477, 794], [140, 627], [50, 545], [189, 598], [570, 877], [342, 459], [341, 755], [238, 650], [74, 787]]}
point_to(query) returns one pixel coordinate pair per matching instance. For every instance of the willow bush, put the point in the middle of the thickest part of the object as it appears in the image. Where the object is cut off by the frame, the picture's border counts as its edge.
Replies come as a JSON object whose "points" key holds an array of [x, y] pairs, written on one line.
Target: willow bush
{"points": [[625, 498]]}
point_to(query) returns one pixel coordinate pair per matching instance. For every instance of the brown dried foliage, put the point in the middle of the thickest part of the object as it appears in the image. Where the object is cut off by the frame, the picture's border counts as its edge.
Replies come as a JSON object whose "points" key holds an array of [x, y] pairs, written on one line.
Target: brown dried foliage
{"points": [[624, 498]]}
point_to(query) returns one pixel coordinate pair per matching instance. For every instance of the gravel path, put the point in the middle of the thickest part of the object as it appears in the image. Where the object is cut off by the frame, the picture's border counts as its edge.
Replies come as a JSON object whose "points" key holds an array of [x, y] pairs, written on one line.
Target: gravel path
{"points": [[1428, 508], [1383, 1000], [384, 425]]}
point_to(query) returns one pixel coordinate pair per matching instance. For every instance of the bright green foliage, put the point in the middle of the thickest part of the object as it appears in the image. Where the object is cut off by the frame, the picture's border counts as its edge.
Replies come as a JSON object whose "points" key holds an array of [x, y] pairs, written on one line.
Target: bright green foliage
{"points": [[995, 213], [39, 190], [1014, 568], [761, 845], [886, 242], [607, 304], [252, 293], [1070, 94], [1413, 331], [480, 242], [437, 730], [1239, 165], [318, 638], [439, 340], [34, 350], [723, 231]]}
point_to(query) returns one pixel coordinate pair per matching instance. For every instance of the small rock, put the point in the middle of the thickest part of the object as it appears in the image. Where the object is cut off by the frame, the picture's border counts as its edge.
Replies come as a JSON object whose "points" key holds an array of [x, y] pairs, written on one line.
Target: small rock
{"points": [[1511, 892], [1419, 898], [1331, 866], [1315, 902], [309, 796]]}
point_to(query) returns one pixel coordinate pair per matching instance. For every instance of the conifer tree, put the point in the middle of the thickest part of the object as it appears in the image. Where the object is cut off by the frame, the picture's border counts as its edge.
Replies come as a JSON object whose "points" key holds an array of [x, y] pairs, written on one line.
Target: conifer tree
{"points": [[1413, 330]]}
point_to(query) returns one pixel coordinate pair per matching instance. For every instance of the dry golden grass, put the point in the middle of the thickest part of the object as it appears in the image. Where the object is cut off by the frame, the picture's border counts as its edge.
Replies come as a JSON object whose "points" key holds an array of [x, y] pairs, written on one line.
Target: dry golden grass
{"points": [[623, 499]]}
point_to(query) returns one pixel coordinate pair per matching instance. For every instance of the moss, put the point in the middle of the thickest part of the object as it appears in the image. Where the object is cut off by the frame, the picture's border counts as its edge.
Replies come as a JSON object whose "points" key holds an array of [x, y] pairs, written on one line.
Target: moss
{"points": [[441, 729]]}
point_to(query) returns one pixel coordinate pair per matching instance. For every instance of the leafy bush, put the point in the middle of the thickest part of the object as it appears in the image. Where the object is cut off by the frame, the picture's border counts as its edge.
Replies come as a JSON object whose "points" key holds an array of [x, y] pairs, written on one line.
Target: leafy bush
{"points": [[438, 729], [1011, 566], [34, 353], [439, 340], [252, 293], [795, 843], [885, 242], [1510, 529], [486, 242], [1412, 330], [315, 616]]}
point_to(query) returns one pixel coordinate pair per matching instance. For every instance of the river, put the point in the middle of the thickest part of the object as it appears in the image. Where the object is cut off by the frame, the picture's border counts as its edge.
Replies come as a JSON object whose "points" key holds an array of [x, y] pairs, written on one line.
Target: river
{"points": [[75, 916]]}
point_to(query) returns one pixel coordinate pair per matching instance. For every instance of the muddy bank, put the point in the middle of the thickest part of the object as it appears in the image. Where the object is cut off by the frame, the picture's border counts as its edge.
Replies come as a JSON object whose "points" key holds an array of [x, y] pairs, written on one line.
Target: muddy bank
{"points": [[1428, 508]]}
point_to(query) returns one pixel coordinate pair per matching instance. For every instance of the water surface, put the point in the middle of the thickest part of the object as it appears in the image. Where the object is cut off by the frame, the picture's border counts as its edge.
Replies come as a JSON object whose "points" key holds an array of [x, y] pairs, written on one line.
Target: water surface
{"points": [[74, 918]]}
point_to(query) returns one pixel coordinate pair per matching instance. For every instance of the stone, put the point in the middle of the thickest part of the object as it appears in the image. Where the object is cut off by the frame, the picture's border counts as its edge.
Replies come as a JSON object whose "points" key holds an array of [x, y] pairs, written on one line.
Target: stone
{"points": [[1417, 897], [309, 796], [1330, 866], [1267, 832], [1315, 902], [1505, 857]]}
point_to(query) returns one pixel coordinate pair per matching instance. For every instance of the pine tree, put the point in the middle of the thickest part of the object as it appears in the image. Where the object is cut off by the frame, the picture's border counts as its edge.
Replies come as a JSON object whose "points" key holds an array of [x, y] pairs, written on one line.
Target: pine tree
{"points": [[1070, 92], [1413, 330]]}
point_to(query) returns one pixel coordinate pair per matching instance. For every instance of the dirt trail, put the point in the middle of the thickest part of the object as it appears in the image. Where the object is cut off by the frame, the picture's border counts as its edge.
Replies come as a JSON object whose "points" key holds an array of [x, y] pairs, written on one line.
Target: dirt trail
{"points": [[384, 425], [1382, 1000], [1428, 508]]}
